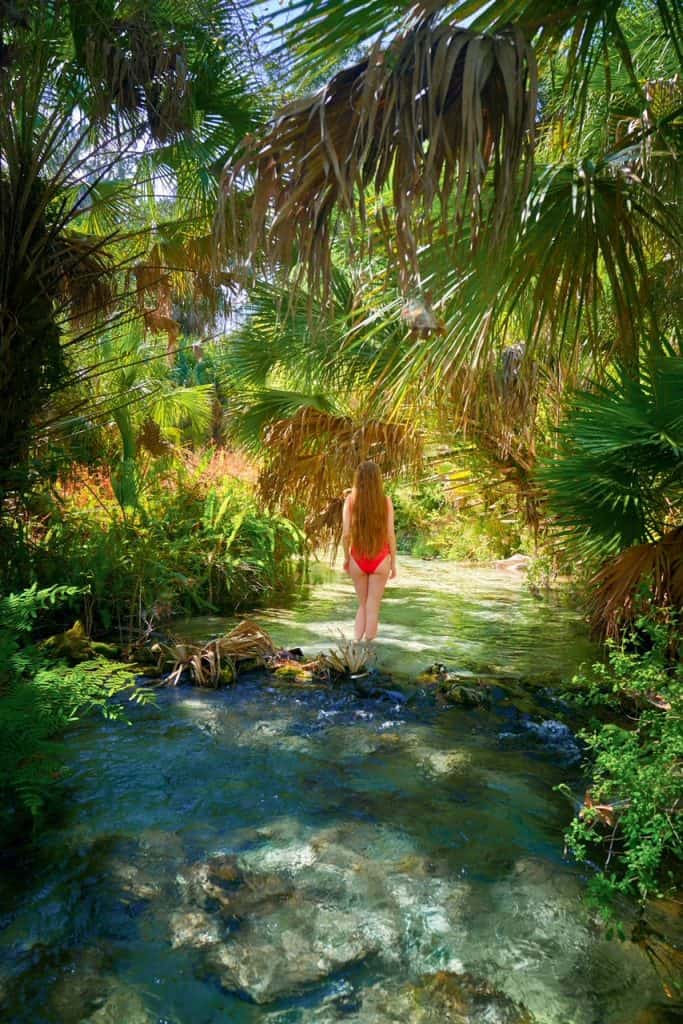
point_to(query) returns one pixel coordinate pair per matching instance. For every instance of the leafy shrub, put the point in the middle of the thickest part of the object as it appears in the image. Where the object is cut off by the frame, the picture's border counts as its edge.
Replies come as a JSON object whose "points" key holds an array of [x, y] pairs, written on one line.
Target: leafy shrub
{"points": [[39, 698], [632, 819], [196, 543], [428, 526]]}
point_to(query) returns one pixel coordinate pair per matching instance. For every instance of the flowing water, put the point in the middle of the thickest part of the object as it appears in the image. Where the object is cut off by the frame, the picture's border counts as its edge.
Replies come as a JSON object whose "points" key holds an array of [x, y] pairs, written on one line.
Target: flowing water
{"points": [[288, 856]]}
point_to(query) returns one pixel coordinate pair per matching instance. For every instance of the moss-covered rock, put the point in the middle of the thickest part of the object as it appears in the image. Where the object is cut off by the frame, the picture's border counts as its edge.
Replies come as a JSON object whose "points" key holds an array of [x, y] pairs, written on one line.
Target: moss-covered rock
{"points": [[74, 645], [294, 672], [466, 695]]}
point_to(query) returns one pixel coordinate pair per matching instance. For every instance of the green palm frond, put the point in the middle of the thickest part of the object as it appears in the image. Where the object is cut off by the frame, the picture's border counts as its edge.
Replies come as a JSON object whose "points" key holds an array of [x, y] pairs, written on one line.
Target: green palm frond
{"points": [[172, 407], [592, 224], [582, 282], [255, 411], [324, 32], [618, 471]]}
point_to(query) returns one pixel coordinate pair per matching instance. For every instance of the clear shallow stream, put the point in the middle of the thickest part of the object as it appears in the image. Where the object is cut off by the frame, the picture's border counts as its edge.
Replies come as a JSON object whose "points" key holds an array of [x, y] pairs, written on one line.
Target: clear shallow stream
{"points": [[292, 856]]}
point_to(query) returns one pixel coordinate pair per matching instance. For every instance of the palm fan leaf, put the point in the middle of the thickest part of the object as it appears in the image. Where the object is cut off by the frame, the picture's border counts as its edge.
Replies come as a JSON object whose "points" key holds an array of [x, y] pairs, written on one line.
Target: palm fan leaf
{"points": [[258, 409], [171, 407], [322, 32], [619, 468], [591, 222], [426, 118]]}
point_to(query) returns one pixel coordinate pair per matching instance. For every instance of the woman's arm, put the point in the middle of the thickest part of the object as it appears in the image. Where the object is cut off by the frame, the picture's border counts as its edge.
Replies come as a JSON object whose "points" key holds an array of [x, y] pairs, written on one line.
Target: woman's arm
{"points": [[346, 531], [391, 536]]}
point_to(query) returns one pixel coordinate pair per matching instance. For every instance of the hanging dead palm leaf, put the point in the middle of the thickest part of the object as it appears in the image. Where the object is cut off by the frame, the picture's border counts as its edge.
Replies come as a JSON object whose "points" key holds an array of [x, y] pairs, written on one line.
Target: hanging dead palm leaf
{"points": [[618, 595], [495, 405], [311, 459], [426, 119]]}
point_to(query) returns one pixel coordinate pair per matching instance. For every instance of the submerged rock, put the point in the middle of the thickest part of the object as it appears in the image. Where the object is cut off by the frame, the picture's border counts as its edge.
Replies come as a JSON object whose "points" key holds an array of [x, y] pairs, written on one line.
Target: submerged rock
{"points": [[123, 1004], [455, 997], [86, 993], [553, 736], [446, 997], [265, 935], [288, 951], [220, 884], [194, 928], [464, 695]]}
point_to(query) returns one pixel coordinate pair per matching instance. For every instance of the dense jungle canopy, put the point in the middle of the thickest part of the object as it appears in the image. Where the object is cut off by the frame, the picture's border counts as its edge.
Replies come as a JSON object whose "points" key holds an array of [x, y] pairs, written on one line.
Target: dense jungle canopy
{"points": [[358, 229], [245, 245]]}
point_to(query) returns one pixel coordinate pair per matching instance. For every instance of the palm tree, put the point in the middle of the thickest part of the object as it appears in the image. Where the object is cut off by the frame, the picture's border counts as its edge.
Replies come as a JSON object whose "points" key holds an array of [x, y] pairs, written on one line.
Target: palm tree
{"points": [[436, 124], [132, 392], [413, 155], [116, 119], [301, 406]]}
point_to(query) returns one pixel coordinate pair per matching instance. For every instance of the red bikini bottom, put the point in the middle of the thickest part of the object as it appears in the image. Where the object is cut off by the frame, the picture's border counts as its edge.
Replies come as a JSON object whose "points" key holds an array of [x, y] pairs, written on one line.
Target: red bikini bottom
{"points": [[368, 565]]}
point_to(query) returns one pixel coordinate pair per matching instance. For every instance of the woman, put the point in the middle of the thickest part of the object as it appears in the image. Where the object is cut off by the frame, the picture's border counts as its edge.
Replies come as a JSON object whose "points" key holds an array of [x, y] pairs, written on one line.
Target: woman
{"points": [[369, 545]]}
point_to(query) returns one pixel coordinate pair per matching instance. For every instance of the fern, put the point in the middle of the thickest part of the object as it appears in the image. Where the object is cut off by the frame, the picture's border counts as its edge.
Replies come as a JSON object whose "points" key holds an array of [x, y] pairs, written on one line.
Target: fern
{"points": [[41, 698], [18, 614]]}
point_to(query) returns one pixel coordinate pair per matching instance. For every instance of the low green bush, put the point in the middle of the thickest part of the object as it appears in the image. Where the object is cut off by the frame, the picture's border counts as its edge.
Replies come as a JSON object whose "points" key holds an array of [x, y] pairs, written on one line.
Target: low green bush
{"points": [[428, 526], [39, 698], [195, 544], [631, 822]]}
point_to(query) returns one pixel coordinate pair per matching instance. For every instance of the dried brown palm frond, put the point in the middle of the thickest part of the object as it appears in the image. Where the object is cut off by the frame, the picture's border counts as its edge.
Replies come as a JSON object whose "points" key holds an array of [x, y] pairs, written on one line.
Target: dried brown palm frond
{"points": [[206, 666], [247, 641], [311, 459], [216, 663], [151, 439], [179, 269], [617, 597], [87, 274], [184, 266], [494, 405], [131, 62], [427, 118]]}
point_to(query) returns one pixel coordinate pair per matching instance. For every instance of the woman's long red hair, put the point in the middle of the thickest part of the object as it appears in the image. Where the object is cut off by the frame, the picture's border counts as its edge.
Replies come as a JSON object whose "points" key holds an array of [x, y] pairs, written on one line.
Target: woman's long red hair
{"points": [[369, 513]]}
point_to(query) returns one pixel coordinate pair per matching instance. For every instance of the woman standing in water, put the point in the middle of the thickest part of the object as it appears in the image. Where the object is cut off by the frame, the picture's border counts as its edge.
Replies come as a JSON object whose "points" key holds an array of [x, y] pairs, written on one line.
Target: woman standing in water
{"points": [[369, 545]]}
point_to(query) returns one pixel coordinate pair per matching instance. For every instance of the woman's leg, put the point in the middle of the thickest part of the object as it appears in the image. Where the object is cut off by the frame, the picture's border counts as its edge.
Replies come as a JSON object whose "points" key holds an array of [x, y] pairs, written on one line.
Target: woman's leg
{"points": [[377, 581], [360, 582]]}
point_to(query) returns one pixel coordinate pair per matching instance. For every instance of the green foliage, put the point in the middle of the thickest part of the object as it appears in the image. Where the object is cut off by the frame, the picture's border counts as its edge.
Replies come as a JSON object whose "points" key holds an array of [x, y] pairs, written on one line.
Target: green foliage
{"points": [[632, 822], [39, 698], [429, 526], [619, 467], [135, 388], [18, 614], [196, 544]]}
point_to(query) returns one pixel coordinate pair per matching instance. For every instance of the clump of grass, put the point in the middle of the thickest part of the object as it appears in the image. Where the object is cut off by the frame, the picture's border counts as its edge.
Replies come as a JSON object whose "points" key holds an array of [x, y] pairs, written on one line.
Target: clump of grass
{"points": [[349, 658]]}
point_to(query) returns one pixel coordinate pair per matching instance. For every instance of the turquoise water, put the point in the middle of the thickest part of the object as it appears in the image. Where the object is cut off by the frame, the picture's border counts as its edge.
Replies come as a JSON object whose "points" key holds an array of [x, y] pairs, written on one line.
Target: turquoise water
{"points": [[293, 856]]}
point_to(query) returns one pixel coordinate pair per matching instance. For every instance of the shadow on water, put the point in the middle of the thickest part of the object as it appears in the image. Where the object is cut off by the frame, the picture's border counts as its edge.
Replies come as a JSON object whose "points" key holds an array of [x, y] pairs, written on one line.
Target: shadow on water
{"points": [[289, 857]]}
